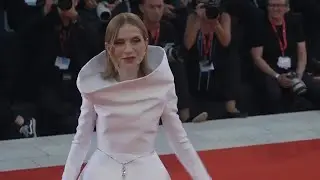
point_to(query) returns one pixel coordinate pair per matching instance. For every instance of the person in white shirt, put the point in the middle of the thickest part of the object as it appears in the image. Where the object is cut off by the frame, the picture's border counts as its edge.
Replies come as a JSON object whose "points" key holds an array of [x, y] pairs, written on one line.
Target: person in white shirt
{"points": [[126, 89]]}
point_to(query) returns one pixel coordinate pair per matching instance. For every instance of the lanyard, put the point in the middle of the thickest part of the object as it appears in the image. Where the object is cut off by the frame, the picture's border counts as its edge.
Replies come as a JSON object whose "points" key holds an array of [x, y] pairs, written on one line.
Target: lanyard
{"points": [[283, 44], [63, 38], [205, 45], [155, 36]]}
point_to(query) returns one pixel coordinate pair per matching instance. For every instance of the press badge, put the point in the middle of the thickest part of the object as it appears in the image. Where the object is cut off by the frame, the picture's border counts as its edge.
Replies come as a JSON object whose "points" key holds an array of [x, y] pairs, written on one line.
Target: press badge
{"points": [[284, 62], [206, 66], [66, 77], [62, 63], [31, 2]]}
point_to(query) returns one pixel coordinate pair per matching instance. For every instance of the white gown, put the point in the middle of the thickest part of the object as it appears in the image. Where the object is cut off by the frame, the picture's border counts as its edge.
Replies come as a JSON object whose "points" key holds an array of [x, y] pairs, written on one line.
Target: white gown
{"points": [[126, 115]]}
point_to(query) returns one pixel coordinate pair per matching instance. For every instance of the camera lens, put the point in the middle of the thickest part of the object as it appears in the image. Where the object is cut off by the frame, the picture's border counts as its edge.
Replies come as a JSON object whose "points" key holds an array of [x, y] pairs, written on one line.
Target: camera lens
{"points": [[65, 5], [212, 12], [105, 16]]}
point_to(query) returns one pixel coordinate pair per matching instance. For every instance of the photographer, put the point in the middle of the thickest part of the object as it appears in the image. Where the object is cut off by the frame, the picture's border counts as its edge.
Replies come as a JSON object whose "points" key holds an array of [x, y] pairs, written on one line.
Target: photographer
{"points": [[207, 39], [59, 45], [14, 101], [162, 33], [280, 55]]}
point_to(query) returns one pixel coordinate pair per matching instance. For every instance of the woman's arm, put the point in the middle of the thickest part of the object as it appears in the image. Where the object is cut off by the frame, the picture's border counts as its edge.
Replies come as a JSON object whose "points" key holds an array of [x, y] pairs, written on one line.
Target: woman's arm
{"points": [[256, 53], [223, 29], [179, 141], [192, 28], [177, 136], [81, 141]]}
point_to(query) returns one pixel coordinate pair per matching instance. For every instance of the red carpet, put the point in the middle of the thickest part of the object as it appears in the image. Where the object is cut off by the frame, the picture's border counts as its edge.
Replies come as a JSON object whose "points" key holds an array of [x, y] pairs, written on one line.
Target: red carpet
{"points": [[284, 161]]}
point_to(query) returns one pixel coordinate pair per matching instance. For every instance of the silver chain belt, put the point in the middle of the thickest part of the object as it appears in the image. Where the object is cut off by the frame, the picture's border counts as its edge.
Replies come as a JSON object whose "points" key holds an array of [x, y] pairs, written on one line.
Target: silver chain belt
{"points": [[124, 168]]}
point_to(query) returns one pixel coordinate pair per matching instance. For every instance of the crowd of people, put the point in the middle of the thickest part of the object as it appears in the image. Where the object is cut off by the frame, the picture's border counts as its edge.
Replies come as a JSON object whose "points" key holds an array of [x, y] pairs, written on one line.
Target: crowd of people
{"points": [[251, 57]]}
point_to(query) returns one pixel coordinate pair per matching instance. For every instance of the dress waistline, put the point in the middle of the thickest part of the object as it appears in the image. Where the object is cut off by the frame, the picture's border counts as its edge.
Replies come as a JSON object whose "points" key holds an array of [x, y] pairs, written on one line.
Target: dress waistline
{"points": [[125, 163]]}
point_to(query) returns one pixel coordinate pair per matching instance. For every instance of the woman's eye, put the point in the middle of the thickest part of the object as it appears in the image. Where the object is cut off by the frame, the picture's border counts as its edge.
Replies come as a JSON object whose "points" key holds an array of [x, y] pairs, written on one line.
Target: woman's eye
{"points": [[136, 40], [118, 42]]}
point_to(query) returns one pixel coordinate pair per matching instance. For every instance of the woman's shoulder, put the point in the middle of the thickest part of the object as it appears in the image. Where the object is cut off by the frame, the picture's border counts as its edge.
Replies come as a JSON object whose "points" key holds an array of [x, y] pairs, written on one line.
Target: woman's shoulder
{"points": [[90, 77]]}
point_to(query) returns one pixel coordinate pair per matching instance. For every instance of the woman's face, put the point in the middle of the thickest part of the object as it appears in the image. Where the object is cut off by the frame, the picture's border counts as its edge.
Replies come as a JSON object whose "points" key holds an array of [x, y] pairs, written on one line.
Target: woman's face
{"points": [[128, 48]]}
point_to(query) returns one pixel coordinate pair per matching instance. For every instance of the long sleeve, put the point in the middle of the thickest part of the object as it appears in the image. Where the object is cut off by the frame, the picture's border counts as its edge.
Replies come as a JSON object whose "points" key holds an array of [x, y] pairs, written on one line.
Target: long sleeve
{"points": [[179, 141], [81, 142]]}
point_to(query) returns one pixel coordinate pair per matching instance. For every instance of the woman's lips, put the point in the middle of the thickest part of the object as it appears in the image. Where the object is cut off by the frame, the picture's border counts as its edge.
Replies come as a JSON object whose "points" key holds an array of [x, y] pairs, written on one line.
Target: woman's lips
{"points": [[129, 59]]}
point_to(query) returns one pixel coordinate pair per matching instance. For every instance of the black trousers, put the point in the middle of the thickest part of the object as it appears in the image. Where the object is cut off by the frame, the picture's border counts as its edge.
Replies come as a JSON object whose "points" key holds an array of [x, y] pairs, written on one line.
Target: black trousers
{"points": [[14, 96], [276, 99], [221, 84], [6, 119], [59, 108], [9, 112]]}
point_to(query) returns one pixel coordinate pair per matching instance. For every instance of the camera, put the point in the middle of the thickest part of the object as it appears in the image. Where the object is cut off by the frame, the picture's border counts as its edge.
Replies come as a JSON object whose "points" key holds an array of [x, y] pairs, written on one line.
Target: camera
{"points": [[298, 86], [173, 52], [104, 13], [64, 5], [212, 9]]}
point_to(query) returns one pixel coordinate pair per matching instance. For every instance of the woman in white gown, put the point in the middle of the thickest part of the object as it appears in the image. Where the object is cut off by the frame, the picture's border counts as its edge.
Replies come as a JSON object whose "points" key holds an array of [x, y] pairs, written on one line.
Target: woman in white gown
{"points": [[126, 89]]}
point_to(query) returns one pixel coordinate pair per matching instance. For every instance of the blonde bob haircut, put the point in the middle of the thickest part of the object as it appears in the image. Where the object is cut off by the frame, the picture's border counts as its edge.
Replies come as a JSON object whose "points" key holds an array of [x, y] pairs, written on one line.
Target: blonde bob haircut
{"points": [[112, 33]]}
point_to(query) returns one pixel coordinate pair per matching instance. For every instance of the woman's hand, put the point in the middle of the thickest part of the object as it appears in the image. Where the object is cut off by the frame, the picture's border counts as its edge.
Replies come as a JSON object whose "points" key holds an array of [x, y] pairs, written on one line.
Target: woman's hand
{"points": [[47, 7], [200, 11], [168, 11], [90, 4], [284, 81]]}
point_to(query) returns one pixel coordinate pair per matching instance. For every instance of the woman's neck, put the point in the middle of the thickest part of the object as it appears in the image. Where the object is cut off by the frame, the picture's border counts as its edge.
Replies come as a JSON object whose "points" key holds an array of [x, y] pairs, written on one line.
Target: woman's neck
{"points": [[129, 75]]}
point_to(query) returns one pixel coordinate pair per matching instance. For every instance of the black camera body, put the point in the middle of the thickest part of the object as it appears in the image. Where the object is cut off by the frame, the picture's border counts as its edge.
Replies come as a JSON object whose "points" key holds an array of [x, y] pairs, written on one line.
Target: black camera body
{"points": [[103, 12], [65, 5], [212, 9]]}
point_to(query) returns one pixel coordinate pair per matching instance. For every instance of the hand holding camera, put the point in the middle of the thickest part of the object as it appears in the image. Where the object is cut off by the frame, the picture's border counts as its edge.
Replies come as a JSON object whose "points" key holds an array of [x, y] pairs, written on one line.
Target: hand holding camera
{"points": [[291, 80], [200, 11], [68, 9], [284, 81], [169, 11], [209, 10], [90, 4], [47, 6], [105, 8], [297, 85]]}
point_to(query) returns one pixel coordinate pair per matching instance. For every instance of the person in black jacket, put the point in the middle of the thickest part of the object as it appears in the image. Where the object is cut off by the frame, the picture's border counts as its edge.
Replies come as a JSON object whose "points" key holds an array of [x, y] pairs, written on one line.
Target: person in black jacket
{"points": [[58, 45], [17, 114]]}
